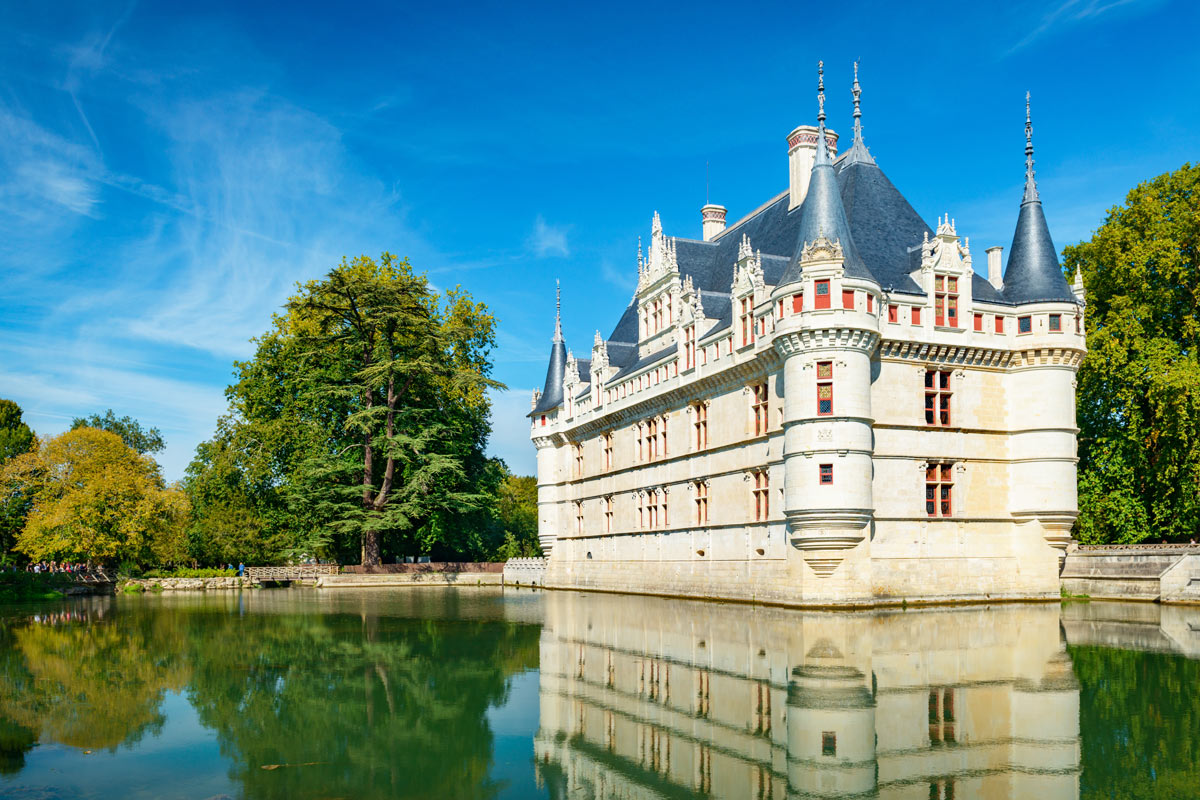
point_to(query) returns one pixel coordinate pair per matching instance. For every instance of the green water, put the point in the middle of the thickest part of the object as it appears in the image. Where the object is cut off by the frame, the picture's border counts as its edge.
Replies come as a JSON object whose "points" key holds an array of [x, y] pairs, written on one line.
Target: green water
{"points": [[477, 693]]}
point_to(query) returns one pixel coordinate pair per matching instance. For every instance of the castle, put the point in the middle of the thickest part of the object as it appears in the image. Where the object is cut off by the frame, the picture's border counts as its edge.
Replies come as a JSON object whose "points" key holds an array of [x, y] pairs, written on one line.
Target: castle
{"points": [[822, 404]]}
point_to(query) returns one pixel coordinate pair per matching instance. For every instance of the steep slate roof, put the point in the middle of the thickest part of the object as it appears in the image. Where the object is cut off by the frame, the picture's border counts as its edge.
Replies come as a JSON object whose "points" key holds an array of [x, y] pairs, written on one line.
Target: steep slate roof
{"points": [[552, 395], [822, 214], [1033, 274]]}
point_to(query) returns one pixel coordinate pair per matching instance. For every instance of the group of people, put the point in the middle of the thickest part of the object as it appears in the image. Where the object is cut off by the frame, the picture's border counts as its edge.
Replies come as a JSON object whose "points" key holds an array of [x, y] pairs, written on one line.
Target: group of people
{"points": [[58, 566]]}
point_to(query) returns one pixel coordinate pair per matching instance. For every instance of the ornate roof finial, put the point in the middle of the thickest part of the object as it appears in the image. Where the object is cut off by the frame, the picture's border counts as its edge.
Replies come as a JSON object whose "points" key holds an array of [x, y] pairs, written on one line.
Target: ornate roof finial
{"points": [[639, 254], [558, 337], [857, 92], [821, 94], [1031, 191]]}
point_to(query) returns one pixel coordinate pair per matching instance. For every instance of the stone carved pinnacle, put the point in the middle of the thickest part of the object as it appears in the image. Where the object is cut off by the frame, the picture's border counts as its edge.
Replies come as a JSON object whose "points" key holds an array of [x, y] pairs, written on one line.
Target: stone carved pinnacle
{"points": [[1031, 190]]}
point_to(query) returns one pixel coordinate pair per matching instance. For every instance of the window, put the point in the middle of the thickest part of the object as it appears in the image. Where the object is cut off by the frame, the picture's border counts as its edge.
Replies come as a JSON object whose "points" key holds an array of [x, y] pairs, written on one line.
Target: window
{"points": [[916, 316], [822, 288], [657, 315], [762, 495], [652, 438], [759, 406], [797, 303], [1024, 324], [779, 309], [945, 301], [937, 397], [669, 318], [664, 518], [652, 508], [662, 434], [689, 347], [608, 514], [824, 388], [1056, 323], [893, 313], [641, 509], [747, 318], [639, 450], [847, 298], [941, 716], [979, 322], [826, 474], [870, 302], [579, 460], [938, 489], [579, 516], [606, 441], [701, 502], [543, 420], [999, 324], [700, 424], [828, 743]]}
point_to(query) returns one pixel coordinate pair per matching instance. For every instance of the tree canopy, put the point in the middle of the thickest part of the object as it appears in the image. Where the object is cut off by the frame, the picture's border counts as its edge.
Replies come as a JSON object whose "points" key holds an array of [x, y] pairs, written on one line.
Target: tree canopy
{"points": [[132, 433], [358, 428], [1139, 386], [15, 436], [92, 497]]}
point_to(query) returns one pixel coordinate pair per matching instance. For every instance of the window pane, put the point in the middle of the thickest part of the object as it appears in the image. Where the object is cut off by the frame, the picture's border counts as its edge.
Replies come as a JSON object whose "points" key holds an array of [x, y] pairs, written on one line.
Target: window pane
{"points": [[1024, 325], [825, 370], [945, 472], [825, 407]]}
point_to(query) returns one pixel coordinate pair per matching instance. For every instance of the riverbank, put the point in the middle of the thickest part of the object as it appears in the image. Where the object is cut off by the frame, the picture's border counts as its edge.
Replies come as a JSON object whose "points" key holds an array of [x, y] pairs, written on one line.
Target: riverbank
{"points": [[23, 586]]}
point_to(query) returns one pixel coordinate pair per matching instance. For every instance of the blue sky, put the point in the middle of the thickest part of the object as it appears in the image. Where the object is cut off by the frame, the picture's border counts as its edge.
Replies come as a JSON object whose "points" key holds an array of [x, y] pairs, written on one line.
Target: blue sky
{"points": [[167, 175]]}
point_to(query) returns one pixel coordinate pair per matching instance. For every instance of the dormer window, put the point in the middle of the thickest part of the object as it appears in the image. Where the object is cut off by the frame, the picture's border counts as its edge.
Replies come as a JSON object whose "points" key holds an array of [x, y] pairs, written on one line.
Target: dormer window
{"points": [[747, 318], [822, 290], [945, 301], [689, 347]]}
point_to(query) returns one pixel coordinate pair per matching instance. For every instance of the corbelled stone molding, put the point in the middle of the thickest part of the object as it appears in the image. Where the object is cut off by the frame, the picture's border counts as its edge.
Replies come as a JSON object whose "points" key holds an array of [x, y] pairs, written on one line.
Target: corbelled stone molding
{"points": [[801, 341]]}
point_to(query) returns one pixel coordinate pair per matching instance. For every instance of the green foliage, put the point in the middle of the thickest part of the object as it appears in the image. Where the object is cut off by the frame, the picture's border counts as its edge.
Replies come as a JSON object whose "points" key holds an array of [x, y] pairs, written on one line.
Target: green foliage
{"points": [[23, 585], [15, 436], [1139, 386], [15, 439], [357, 430], [94, 498], [132, 433], [1140, 723], [187, 572]]}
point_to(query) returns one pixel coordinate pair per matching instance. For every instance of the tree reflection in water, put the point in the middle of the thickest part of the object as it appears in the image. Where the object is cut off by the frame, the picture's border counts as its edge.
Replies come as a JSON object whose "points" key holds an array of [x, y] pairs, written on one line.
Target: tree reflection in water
{"points": [[372, 695]]}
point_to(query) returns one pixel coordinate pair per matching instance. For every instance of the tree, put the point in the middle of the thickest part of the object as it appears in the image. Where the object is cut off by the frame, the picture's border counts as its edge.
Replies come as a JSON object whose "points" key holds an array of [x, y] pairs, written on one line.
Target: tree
{"points": [[129, 429], [517, 509], [1139, 386], [15, 436], [359, 426], [94, 498]]}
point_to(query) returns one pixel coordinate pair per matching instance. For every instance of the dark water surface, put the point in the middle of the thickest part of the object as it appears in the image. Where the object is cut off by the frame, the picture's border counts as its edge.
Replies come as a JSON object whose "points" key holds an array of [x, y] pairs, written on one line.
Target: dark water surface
{"points": [[475, 693]]}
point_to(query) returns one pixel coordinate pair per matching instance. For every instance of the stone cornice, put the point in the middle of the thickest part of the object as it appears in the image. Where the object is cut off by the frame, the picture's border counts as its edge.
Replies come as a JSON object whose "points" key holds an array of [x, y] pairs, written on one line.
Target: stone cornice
{"points": [[898, 350], [789, 342]]}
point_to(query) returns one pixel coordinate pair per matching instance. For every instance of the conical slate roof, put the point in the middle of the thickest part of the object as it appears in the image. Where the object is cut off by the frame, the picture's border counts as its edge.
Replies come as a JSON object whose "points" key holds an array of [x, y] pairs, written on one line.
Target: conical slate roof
{"points": [[822, 213], [552, 394], [1033, 273]]}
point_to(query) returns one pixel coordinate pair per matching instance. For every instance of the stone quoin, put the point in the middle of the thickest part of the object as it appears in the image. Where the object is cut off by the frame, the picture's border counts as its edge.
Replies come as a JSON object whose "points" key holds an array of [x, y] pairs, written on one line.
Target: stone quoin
{"points": [[821, 404]]}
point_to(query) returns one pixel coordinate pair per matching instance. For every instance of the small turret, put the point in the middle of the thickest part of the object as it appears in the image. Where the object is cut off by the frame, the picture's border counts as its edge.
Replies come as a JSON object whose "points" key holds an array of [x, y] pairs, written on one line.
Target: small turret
{"points": [[552, 395]]}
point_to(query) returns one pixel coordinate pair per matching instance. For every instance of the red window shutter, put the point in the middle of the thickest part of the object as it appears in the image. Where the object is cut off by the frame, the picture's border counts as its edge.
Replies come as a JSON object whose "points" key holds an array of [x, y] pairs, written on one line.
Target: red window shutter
{"points": [[916, 316], [979, 322], [999, 324], [822, 289], [870, 302], [847, 298], [797, 303], [893, 314]]}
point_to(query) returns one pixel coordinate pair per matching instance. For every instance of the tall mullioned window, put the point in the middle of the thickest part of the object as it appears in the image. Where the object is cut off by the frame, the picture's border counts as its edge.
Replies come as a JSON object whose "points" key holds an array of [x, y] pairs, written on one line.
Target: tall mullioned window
{"points": [[700, 424], [701, 502], [824, 388], [762, 495], [759, 405], [747, 318], [945, 301], [821, 288], [652, 508], [662, 438], [579, 516], [607, 441], [579, 460], [689, 347], [652, 438], [939, 490], [608, 514], [937, 397]]}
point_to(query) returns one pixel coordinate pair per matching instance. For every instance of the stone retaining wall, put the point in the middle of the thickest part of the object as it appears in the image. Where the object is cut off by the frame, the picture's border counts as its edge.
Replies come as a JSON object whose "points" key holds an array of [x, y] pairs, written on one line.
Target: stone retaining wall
{"points": [[401, 580], [188, 584], [525, 571], [1160, 573]]}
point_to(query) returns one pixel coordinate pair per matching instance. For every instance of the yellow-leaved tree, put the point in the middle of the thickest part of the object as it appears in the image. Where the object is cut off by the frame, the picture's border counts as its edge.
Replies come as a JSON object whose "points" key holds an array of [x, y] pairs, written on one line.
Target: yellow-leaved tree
{"points": [[93, 497]]}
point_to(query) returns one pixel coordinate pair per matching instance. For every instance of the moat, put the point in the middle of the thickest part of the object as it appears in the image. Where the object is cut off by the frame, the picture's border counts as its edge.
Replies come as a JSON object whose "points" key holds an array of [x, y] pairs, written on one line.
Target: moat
{"points": [[485, 693]]}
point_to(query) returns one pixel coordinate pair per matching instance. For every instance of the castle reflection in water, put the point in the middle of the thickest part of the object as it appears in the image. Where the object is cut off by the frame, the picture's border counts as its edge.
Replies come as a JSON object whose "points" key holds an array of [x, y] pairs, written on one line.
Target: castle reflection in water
{"points": [[649, 698]]}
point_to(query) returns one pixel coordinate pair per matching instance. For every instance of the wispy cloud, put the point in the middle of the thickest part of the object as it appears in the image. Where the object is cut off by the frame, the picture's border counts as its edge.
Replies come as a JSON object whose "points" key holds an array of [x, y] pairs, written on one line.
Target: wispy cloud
{"points": [[548, 240], [1072, 12], [623, 279]]}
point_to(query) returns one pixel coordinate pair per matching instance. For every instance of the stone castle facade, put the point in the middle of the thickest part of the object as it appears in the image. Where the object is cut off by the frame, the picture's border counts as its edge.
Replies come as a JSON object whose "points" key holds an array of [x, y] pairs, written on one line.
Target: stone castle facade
{"points": [[822, 404]]}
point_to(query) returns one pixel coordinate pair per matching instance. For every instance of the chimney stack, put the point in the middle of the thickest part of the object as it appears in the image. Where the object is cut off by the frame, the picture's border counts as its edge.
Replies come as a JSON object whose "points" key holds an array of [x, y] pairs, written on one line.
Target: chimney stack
{"points": [[802, 151], [714, 220], [995, 276]]}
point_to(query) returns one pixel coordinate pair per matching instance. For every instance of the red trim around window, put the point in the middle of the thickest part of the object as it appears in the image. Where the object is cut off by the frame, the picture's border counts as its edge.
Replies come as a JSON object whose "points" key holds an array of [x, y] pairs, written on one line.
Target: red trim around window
{"points": [[822, 290]]}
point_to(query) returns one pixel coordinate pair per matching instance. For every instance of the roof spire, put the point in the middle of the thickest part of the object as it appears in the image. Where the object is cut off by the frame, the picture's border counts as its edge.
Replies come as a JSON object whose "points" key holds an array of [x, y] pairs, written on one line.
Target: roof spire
{"points": [[558, 337], [1031, 191], [821, 94], [857, 92], [858, 153]]}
